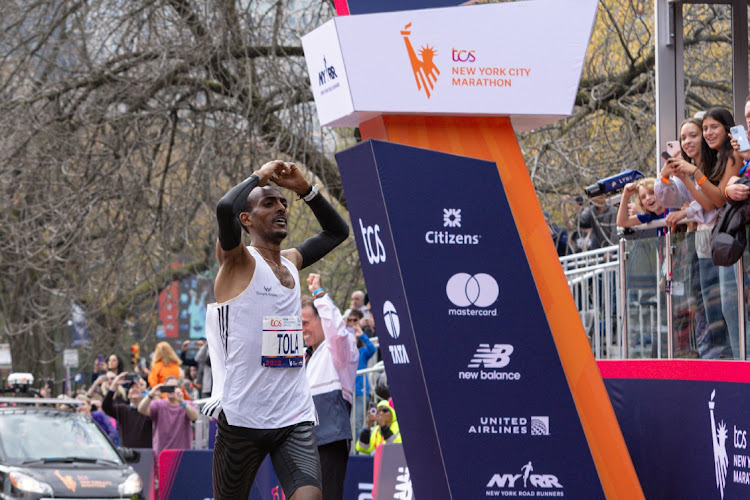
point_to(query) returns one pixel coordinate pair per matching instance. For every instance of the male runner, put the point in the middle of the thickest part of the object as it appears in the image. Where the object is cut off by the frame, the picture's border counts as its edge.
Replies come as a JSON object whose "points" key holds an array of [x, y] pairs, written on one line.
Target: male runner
{"points": [[265, 405]]}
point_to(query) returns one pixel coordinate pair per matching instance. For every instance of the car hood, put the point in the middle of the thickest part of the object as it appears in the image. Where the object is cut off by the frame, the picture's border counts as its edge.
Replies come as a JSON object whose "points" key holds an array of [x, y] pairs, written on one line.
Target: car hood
{"points": [[80, 480]]}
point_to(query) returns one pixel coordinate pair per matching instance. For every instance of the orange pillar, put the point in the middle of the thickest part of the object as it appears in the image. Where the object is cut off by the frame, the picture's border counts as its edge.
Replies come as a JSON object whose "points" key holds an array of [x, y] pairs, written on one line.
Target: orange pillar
{"points": [[493, 139]]}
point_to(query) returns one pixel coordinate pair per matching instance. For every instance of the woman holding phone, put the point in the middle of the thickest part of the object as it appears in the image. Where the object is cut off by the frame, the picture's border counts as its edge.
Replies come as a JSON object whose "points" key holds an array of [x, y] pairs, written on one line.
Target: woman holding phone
{"points": [[712, 181], [684, 189]]}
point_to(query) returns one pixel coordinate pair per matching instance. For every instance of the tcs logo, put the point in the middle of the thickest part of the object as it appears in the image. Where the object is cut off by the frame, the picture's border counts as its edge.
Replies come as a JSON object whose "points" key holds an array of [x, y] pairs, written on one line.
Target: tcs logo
{"points": [[373, 245], [460, 55], [276, 322]]}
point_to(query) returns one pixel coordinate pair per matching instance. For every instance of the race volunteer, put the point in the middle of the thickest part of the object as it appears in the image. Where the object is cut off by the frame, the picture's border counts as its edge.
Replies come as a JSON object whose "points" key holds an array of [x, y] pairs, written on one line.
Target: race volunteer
{"points": [[265, 406]]}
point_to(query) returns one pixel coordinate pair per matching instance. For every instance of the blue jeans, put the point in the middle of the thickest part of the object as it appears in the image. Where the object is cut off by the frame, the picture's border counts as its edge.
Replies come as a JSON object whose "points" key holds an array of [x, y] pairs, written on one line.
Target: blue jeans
{"points": [[712, 304], [729, 299]]}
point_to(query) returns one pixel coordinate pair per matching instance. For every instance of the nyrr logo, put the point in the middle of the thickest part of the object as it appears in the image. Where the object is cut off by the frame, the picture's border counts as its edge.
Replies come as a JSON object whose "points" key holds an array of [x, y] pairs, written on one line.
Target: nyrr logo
{"points": [[425, 71], [451, 219], [373, 245], [399, 356], [485, 357], [465, 290], [527, 484], [327, 75]]}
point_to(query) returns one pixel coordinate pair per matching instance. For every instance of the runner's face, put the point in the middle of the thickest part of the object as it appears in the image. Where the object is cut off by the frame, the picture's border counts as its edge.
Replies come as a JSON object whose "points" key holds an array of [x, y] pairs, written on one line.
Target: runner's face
{"points": [[268, 216]]}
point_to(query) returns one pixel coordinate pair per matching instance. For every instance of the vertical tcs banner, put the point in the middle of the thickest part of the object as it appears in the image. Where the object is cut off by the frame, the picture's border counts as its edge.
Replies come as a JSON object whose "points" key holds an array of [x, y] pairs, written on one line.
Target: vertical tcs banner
{"points": [[483, 402]]}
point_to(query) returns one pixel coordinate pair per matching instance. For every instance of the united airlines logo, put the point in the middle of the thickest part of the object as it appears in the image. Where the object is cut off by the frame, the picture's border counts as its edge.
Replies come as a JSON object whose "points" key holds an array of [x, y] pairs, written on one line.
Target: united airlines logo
{"points": [[521, 426], [423, 66], [451, 217], [487, 362], [719, 439], [539, 426], [465, 290]]}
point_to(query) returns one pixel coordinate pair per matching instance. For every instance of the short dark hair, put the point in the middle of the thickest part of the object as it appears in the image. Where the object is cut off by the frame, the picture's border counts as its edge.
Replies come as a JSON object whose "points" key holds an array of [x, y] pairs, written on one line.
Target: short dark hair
{"points": [[357, 313], [308, 302]]}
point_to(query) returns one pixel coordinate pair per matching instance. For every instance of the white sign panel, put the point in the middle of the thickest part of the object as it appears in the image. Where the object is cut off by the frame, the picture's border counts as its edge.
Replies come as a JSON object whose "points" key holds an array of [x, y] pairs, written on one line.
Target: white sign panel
{"points": [[6, 360], [70, 358], [519, 59]]}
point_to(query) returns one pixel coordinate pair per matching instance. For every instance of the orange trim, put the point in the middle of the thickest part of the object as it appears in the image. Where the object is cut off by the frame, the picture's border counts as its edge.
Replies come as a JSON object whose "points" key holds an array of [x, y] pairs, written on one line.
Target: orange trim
{"points": [[493, 139]]}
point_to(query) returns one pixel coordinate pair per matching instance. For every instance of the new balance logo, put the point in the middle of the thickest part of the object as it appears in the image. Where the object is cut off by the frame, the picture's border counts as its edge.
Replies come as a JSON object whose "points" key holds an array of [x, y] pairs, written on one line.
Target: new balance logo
{"points": [[497, 357]]}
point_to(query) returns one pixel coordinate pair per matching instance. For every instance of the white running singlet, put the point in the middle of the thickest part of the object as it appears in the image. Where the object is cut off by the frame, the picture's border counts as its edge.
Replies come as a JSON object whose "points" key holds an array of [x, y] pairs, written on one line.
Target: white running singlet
{"points": [[254, 395]]}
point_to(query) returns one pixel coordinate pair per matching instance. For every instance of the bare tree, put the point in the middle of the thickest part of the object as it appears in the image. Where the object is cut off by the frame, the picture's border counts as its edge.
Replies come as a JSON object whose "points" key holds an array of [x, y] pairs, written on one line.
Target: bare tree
{"points": [[122, 123]]}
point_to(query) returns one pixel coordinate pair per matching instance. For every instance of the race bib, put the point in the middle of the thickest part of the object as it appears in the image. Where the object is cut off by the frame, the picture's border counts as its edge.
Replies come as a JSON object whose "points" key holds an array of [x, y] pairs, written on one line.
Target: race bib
{"points": [[283, 344]]}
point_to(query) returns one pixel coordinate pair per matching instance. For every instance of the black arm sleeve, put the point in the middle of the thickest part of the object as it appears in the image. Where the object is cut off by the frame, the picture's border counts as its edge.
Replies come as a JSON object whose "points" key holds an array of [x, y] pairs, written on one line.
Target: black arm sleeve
{"points": [[227, 210], [108, 404], [364, 436], [335, 230]]}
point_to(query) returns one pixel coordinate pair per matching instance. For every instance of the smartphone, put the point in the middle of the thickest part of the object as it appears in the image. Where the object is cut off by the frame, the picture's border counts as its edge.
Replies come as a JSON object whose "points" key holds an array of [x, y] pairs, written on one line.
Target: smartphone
{"points": [[100, 358], [674, 149], [166, 389], [739, 135], [130, 377], [373, 410]]}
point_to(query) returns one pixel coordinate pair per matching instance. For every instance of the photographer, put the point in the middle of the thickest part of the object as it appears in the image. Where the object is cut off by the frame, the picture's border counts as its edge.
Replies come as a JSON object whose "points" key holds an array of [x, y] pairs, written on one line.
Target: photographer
{"points": [[170, 417], [600, 218], [135, 428]]}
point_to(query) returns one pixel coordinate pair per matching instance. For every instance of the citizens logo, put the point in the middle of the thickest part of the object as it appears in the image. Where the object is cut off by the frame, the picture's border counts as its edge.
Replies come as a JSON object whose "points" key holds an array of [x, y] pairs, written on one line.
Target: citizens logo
{"points": [[374, 248], [524, 484], [451, 219], [470, 292], [489, 360], [399, 356], [423, 66], [511, 425]]}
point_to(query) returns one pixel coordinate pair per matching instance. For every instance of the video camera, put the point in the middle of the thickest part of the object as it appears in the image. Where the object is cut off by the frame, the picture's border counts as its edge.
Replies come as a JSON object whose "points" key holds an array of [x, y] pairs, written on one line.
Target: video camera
{"points": [[611, 185]]}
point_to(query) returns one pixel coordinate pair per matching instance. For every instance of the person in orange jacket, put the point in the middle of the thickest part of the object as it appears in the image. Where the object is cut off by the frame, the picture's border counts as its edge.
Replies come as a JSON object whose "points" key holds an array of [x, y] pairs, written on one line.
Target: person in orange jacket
{"points": [[165, 363]]}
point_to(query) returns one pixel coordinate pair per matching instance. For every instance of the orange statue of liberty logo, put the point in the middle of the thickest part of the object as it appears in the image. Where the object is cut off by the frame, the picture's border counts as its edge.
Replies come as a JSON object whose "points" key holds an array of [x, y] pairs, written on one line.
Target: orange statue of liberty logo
{"points": [[425, 71]]}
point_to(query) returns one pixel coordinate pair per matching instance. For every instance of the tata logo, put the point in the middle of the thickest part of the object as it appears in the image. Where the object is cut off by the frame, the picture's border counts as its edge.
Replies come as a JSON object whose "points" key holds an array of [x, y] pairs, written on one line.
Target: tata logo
{"points": [[373, 244], [423, 66], [390, 316], [460, 55]]}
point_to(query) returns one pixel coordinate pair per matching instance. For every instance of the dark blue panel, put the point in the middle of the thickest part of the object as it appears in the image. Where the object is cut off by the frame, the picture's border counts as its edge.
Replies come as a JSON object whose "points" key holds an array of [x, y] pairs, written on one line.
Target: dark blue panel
{"points": [[482, 348], [678, 450], [370, 7]]}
